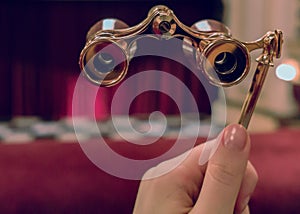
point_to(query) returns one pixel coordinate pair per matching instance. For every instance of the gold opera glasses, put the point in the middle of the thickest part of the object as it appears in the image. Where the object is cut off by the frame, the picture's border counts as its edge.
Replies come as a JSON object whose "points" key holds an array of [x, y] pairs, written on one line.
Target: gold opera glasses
{"points": [[224, 60]]}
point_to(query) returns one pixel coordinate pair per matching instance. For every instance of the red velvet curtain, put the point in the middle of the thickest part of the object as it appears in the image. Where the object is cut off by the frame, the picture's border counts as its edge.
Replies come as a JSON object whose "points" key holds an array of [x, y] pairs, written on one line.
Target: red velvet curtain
{"points": [[41, 42]]}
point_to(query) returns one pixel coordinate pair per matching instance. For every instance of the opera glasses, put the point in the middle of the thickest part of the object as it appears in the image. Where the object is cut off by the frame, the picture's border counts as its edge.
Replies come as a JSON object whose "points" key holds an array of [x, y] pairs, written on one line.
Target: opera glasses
{"points": [[224, 60]]}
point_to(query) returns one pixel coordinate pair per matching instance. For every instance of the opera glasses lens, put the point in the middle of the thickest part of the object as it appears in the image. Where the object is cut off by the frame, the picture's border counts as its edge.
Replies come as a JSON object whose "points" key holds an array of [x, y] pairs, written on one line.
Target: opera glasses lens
{"points": [[225, 62], [105, 63]]}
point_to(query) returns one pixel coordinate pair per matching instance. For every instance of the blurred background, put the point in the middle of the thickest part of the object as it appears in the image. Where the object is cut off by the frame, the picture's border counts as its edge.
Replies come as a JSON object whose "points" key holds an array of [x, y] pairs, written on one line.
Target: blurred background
{"points": [[40, 46], [41, 42], [279, 101], [42, 167]]}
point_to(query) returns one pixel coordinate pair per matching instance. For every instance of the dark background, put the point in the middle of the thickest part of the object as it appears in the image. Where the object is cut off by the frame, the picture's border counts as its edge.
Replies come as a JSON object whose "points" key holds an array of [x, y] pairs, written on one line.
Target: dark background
{"points": [[40, 42]]}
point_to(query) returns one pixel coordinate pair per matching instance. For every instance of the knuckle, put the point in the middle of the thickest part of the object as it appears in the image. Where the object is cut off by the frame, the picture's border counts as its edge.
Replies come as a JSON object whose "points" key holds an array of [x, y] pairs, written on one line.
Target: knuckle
{"points": [[222, 174]]}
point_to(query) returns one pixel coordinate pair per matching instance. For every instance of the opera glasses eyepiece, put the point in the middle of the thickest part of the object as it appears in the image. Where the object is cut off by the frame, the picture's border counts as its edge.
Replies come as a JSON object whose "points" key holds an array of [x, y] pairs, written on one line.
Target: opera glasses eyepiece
{"points": [[225, 62], [105, 63]]}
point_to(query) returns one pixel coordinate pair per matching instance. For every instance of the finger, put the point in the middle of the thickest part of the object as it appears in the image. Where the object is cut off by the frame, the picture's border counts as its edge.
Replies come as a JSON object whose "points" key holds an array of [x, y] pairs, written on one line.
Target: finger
{"points": [[175, 191], [246, 210], [225, 172], [248, 185]]}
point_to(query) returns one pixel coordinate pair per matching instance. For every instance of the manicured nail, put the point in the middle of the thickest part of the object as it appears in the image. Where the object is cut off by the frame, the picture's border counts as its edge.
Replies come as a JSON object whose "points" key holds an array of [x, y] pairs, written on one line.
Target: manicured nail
{"points": [[235, 137]]}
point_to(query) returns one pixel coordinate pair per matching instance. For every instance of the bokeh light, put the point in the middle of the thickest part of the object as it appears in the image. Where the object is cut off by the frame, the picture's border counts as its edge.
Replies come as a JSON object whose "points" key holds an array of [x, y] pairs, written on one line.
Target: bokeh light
{"points": [[287, 71]]}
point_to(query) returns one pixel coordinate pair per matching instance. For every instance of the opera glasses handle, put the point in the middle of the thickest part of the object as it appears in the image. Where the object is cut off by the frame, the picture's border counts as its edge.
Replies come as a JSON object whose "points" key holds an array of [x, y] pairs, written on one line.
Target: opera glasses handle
{"points": [[224, 60]]}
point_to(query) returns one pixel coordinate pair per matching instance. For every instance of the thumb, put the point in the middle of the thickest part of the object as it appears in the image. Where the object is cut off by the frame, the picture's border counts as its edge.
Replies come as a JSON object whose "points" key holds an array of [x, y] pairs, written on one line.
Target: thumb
{"points": [[225, 172]]}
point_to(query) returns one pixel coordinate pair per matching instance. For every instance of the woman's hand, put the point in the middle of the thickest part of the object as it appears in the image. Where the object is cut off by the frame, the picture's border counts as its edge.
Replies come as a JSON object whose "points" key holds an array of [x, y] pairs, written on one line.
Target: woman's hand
{"points": [[223, 185]]}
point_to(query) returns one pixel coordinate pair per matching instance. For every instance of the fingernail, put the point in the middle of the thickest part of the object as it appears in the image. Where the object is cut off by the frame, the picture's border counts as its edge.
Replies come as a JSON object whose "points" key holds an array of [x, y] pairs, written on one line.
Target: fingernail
{"points": [[235, 137]]}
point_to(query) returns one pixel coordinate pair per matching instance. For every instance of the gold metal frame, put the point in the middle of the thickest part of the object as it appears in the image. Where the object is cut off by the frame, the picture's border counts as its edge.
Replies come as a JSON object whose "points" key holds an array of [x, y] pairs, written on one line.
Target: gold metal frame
{"points": [[224, 60]]}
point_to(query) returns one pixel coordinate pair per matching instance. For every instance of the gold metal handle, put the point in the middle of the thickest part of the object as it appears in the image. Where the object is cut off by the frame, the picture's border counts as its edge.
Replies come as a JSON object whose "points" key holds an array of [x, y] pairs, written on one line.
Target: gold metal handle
{"points": [[272, 46]]}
